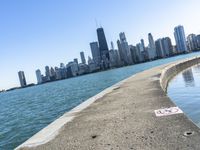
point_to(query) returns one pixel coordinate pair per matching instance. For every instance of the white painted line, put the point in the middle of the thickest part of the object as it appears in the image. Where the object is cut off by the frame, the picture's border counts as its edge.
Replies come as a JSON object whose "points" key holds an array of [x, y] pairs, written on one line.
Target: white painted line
{"points": [[168, 111]]}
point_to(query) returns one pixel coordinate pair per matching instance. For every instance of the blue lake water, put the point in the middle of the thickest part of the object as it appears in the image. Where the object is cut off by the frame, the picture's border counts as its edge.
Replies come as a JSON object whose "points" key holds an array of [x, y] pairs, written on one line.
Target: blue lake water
{"points": [[24, 112], [184, 90]]}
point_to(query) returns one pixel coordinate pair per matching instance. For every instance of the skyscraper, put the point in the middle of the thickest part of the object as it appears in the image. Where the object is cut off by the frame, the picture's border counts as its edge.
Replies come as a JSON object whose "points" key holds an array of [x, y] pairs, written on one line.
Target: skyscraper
{"points": [[103, 46], [83, 57], [72, 67], [47, 73], [159, 48], [192, 42], [144, 50], [39, 76], [198, 41], [133, 50], [76, 60], [22, 78], [95, 53], [58, 73], [167, 46], [52, 74], [62, 65], [142, 44], [151, 47], [138, 52], [91, 64], [179, 35], [121, 55], [114, 56], [125, 49]]}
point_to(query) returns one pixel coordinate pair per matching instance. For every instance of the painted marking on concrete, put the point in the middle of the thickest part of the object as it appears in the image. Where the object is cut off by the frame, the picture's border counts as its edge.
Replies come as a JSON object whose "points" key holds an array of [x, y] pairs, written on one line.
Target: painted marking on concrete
{"points": [[168, 111]]}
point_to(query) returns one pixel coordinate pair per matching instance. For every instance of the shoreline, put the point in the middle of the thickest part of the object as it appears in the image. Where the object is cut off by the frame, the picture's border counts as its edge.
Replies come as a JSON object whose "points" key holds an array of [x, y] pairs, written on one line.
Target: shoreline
{"points": [[52, 130], [36, 84], [155, 96]]}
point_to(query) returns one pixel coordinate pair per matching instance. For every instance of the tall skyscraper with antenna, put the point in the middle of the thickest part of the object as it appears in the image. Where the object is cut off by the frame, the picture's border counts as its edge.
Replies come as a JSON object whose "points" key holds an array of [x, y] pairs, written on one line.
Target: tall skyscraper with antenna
{"points": [[103, 47]]}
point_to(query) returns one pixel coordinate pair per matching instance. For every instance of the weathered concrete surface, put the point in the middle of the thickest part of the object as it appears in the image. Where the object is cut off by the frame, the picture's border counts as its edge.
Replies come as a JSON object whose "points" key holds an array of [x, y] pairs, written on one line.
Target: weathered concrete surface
{"points": [[124, 119]]}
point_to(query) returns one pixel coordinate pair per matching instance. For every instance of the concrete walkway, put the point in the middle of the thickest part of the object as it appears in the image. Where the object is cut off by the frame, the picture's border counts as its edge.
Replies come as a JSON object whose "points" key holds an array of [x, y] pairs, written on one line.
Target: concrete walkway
{"points": [[124, 119]]}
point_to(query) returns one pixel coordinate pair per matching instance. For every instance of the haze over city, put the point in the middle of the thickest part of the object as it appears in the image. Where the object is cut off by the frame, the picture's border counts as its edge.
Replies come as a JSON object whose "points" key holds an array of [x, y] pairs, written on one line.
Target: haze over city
{"points": [[39, 33]]}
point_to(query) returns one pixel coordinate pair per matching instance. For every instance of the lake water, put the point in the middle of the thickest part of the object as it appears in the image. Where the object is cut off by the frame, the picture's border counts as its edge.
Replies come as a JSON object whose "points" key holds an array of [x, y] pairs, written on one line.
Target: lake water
{"points": [[184, 90], [24, 112]]}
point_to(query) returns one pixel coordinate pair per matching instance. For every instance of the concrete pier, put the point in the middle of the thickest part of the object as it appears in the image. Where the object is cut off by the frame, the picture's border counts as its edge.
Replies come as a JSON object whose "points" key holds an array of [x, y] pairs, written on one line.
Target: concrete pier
{"points": [[122, 117]]}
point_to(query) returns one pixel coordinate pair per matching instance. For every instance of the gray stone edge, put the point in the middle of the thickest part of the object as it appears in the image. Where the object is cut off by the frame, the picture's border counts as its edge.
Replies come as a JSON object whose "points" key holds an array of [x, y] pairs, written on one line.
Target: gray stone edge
{"points": [[175, 68]]}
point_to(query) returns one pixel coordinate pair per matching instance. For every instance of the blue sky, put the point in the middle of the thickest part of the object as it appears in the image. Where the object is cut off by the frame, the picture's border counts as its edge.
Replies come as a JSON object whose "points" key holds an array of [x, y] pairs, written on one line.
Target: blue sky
{"points": [[35, 33]]}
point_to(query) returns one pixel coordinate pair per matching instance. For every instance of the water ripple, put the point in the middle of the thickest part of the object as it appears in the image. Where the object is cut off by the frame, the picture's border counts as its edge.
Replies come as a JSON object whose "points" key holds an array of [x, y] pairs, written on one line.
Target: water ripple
{"points": [[184, 91]]}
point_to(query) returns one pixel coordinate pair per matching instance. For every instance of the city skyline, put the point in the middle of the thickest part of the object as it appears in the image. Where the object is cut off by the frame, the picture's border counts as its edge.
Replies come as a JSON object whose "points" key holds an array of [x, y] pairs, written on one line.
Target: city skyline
{"points": [[20, 56], [104, 58], [162, 51]]}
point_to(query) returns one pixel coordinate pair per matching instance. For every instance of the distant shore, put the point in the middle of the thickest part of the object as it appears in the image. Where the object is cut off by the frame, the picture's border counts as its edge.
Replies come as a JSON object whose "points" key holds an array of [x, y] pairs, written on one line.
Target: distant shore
{"points": [[33, 84]]}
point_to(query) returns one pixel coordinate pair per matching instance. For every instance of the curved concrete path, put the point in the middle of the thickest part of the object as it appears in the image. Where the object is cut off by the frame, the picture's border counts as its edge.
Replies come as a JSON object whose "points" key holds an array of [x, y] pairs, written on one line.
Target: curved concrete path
{"points": [[124, 119]]}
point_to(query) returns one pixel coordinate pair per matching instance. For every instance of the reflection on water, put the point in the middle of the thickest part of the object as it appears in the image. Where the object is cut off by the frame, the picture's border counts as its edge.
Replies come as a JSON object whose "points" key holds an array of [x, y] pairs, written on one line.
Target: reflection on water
{"points": [[188, 77], [184, 90]]}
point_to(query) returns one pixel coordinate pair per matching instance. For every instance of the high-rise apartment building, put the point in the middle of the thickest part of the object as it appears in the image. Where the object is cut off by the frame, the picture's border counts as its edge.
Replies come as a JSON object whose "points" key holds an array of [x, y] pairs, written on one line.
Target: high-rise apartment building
{"points": [[47, 73], [39, 76], [121, 55], [192, 42], [83, 58], [62, 65], [138, 52], [22, 78], [144, 50], [95, 53], [142, 45], [125, 49], [198, 40], [76, 60], [72, 69], [180, 39], [167, 46], [134, 56], [159, 48], [52, 74], [114, 57], [152, 47]]}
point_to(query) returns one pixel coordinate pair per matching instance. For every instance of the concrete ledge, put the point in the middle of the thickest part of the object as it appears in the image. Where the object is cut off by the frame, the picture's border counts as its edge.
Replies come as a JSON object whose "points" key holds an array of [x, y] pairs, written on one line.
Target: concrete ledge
{"points": [[170, 71], [122, 117]]}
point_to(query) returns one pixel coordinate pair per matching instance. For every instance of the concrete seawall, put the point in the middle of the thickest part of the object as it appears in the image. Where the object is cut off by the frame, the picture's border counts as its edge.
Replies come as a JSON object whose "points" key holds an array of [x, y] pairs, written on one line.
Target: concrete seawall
{"points": [[122, 117], [171, 70]]}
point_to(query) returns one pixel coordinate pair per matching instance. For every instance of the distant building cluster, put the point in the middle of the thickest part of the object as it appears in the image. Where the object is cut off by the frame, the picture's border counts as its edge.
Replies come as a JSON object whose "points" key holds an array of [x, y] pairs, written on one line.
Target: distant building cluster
{"points": [[104, 58]]}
